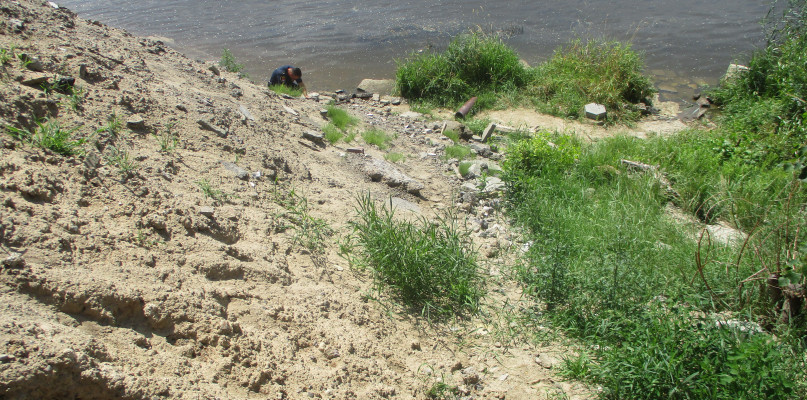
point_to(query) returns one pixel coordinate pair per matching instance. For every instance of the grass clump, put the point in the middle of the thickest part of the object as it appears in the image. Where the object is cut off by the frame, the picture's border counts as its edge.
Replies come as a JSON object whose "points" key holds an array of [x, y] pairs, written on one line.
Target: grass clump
{"points": [[121, 159], [50, 135], [603, 72], [340, 118], [430, 266], [286, 89], [377, 137], [208, 191], [229, 63], [168, 140], [472, 65], [332, 133], [394, 157], [609, 73], [458, 151]]}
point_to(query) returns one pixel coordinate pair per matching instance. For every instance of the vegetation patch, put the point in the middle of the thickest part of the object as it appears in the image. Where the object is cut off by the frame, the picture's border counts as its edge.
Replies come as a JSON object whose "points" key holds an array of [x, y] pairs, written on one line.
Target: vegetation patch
{"points": [[430, 267], [340, 118], [229, 63], [377, 137], [50, 135]]}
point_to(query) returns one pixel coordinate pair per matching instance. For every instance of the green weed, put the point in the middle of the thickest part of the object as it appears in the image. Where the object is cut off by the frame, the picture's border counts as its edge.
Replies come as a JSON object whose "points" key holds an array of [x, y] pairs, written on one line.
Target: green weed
{"points": [[458, 152], [121, 159], [394, 157], [168, 140], [332, 133], [377, 137], [453, 135], [288, 90], [310, 232], [50, 135], [229, 63], [430, 267], [340, 118], [113, 126], [212, 193]]}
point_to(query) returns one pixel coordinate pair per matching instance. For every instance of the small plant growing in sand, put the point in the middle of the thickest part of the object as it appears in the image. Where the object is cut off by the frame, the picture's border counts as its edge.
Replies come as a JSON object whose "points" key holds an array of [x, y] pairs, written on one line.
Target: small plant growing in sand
{"points": [[212, 193], [394, 157], [228, 62], [113, 126], [340, 118], [464, 167], [168, 140], [121, 159], [377, 137], [74, 96], [6, 55], [310, 232], [332, 133], [50, 135], [453, 135]]}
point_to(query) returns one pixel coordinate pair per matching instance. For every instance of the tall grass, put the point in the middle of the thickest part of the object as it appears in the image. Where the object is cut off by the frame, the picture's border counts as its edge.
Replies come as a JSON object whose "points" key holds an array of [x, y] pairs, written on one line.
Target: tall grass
{"points": [[609, 73], [340, 118], [472, 65], [430, 266], [616, 271]]}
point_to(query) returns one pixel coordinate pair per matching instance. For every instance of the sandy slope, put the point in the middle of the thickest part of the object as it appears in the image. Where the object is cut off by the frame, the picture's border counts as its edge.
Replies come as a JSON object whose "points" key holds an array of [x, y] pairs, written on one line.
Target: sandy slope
{"points": [[139, 286]]}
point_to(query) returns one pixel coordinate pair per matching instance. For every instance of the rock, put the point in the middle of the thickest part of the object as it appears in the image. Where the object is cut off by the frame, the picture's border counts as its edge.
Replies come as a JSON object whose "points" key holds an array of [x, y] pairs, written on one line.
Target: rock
{"points": [[482, 150], [470, 376], [290, 110], [546, 361], [14, 260], [488, 132], [362, 95], [595, 111], [35, 80], [16, 25], [221, 132], [380, 170], [314, 136], [32, 63], [239, 172], [181, 107], [245, 113], [6, 358], [323, 113], [493, 184], [382, 87], [207, 211], [136, 122], [399, 203], [355, 150], [412, 115], [734, 71], [395, 101], [214, 69], [415, 345]]}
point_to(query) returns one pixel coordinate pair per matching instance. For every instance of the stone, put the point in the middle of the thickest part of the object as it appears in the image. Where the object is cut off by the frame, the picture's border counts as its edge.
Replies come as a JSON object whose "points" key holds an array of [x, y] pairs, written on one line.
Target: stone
{"points": [[239, 172], [488, 132], [355, 150], [207, 211], [395, 101], [6, 358], [482, 150], [290, 110], [382, 171], [136, 122], [401, 204], [493, 184], [245, 113], [323, 113], [35, 80], [411, 115], [314, 136], [14, 260], [362, 95], [734, 71], [383, 87], [32, 63], [16, 25], [595, 111], [221, 132], [215, 70]]}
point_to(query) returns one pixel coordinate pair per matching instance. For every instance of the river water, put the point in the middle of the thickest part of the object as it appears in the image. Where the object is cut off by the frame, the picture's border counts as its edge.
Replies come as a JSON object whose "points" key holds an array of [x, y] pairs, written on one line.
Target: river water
{"points": [[339, 42]]}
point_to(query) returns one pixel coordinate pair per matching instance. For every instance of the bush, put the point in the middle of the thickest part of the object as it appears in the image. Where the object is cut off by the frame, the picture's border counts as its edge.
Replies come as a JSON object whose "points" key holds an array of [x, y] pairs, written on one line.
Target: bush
{"points": [[538, 153], [431, 268]]}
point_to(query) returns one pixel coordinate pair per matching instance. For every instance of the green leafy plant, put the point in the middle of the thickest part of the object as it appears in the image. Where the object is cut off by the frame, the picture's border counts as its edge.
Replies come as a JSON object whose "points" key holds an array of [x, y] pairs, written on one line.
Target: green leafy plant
{"points": [[50, 135], [453, 135], [377, 137], [229, 63], [311, 232], [430, 267]]}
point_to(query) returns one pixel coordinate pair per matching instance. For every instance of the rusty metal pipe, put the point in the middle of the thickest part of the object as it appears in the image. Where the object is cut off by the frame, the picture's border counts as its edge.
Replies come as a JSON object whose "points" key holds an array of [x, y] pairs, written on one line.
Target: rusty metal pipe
{"points": [[466, 108]]}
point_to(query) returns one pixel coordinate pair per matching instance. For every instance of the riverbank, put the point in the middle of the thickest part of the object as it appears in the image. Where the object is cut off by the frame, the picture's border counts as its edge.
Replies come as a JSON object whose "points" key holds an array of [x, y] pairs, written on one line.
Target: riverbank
{"points": [[161, 249]]}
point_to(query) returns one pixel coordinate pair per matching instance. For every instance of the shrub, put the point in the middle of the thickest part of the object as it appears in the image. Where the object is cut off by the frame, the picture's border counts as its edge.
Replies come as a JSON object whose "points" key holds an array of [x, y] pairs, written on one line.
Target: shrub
{"points": [[539, 153], [228, 62], [430, 267]]}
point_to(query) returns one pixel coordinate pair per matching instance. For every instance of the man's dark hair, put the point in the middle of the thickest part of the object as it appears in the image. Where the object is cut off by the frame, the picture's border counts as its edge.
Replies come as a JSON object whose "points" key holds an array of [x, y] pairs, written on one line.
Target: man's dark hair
{"points": [[297, 72]]}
